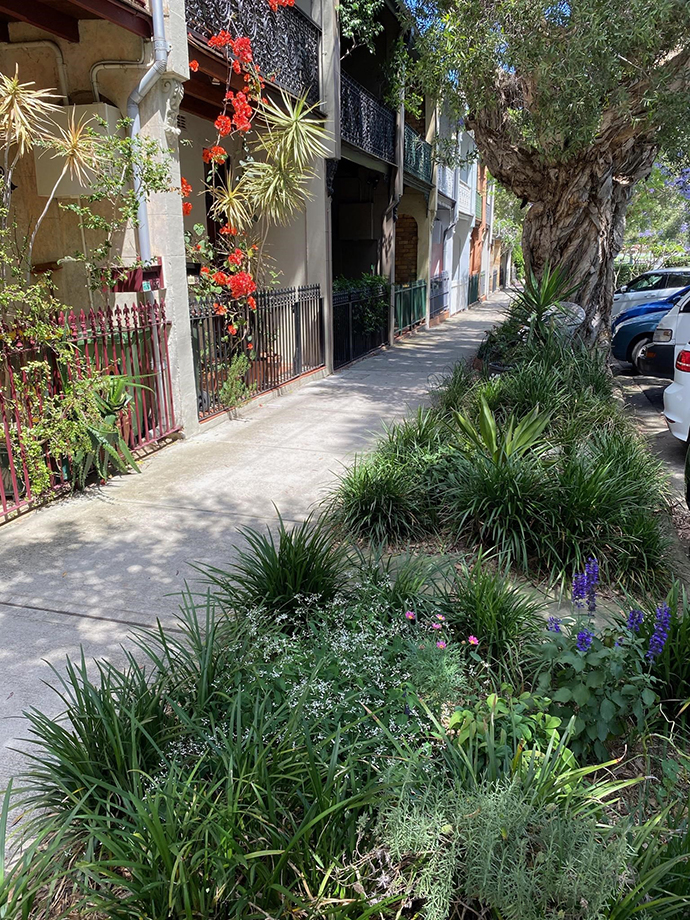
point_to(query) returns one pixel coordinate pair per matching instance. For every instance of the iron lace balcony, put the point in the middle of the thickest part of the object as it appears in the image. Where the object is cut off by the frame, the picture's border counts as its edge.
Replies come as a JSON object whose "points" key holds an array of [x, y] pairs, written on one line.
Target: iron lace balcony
{"points": [[417, 156], [365, 122], [285, 42]]}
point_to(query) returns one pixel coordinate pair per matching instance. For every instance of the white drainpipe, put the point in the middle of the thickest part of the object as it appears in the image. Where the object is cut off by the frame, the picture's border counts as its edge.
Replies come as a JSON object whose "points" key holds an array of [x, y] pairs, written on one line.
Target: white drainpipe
{"points": [[158, 67], [55, 48]]}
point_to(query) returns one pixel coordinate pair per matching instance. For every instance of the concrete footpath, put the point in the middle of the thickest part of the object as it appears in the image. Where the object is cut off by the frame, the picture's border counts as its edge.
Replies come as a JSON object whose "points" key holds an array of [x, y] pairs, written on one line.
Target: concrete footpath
{"points": [[82, 572]]}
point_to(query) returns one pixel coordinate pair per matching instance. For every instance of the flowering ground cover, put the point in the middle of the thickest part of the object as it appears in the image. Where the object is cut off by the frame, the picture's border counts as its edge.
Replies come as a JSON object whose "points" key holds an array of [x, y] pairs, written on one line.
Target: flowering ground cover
{"points": [[350, 729]]}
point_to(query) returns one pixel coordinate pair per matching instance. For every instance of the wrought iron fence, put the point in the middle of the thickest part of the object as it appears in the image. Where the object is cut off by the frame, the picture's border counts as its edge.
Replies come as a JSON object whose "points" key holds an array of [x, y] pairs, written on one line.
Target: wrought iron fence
{"points": [[281, 340], [439, 293], [360, 322], [285, 43], [417, 156], [131, 340], [410, 305], [473, 289], [365, 122]]}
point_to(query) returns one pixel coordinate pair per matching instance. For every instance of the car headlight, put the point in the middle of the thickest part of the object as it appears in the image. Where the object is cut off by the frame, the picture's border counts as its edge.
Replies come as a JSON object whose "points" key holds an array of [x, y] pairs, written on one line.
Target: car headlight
{"points": [[662, 335]]}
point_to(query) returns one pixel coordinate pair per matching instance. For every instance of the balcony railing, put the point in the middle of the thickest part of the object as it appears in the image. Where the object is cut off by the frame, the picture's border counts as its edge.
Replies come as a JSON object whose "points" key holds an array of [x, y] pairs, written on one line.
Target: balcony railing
{"points": [[417, 156], [464, 198], [445, 179], [365, 122], [479, 206], [285, 42]]}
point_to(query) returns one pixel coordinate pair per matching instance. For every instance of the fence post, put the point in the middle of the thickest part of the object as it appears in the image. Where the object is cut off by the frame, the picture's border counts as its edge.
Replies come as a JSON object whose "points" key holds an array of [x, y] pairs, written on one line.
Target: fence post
{"points": [[297, 313]]}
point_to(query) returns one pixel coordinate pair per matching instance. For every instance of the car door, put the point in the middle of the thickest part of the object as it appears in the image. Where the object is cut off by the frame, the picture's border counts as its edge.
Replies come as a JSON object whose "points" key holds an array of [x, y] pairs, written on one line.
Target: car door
{"points": [[642, 289], [674, 282]]}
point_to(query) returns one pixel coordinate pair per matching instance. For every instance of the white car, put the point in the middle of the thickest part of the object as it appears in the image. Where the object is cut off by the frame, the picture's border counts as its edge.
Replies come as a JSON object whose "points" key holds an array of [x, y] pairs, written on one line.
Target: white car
{"points": [[677, 396], [654, 285]]}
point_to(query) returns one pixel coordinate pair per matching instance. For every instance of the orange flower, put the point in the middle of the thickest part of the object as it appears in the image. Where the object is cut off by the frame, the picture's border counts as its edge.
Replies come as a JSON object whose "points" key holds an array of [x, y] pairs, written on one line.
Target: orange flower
{"points": [[214, 154], [250, 345], [186, 208], [205, 270], [185, 187], [251, 303], [227, 230], [232, 329], [220, 278], [194, 66], [219, 309], [223, 125]]}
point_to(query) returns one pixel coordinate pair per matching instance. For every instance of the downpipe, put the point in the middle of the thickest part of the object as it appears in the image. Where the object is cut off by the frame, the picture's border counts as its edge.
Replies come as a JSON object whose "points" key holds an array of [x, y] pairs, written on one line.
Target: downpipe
{"points": [[158, 67]]}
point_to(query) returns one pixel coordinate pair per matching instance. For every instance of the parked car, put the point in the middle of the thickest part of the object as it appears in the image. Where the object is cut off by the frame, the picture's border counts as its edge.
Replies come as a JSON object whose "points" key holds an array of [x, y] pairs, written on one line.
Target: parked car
{"points": [[658, 358], [633, 329], [677, 396], [654, 285]]}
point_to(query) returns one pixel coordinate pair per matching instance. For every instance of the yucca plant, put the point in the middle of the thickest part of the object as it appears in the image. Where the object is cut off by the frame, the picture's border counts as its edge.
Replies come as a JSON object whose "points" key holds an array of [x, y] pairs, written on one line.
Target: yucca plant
{"points": [[541, 299], [512, 440]]}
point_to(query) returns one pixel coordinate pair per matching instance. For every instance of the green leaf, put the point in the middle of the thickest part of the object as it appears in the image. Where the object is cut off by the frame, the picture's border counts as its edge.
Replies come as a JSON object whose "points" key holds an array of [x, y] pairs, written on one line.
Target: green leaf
{"points": [[563, 695], [649, 697], [607, 710]]}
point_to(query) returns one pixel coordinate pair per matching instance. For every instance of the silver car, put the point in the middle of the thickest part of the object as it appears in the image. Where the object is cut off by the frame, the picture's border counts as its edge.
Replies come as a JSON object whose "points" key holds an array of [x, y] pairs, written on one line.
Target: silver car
{"points": [[654, 285]]}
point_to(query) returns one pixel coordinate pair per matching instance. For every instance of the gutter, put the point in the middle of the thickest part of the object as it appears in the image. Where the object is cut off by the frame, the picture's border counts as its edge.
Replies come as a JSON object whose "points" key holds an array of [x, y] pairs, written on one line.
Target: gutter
{"points": [[158, 67], [57, 51]]}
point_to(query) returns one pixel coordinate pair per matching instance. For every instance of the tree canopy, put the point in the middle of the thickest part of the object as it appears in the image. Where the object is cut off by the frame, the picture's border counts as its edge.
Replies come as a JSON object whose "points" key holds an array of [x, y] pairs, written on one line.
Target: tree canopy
{"points": [[570, 102]]}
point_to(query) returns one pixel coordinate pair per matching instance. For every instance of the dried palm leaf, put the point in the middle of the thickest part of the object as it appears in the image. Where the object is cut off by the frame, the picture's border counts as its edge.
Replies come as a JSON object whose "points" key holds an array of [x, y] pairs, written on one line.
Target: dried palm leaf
{"points": [[24, 113]]}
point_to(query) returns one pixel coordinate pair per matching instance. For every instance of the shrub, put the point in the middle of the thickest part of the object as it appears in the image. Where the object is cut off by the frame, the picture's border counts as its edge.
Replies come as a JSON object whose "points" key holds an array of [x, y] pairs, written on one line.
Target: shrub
{"points": [[285, 573], [398, 582], [414, 439], [548, 514], [484, 603], [602, 680], [378, 499], [502, 850], [450, 392]]}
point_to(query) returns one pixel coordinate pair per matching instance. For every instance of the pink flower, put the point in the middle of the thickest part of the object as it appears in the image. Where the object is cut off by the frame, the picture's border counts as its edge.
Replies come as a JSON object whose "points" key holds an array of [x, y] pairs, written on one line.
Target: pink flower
{"points": [[436, 626], [410, 615], [439, 616], [440, 644], [473, 640]]}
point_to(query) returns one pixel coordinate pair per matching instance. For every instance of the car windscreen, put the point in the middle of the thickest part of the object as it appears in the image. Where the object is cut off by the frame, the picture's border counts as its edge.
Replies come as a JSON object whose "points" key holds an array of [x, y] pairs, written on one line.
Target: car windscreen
{"points": [[653, 281]]}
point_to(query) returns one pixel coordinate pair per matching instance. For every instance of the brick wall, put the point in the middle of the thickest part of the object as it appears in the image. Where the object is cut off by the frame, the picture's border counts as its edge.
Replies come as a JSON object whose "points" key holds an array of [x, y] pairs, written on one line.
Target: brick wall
{"points": [[405, 249]]}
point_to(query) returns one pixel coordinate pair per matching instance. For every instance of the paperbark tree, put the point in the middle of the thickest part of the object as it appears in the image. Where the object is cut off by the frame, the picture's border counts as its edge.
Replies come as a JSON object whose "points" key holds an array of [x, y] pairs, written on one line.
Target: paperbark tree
{"points": [[570, 102]]}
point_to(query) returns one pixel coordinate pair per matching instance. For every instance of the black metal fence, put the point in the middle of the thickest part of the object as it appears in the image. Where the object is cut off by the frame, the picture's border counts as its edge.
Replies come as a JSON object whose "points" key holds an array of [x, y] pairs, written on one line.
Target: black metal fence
{"points": [[439, 294], [360, 322], [473, 289], [239, 352]]}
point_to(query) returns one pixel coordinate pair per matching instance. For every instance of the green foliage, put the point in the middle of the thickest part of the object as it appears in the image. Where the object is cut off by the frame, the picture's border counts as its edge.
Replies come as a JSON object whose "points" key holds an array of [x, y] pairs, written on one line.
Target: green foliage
{"points": [[672, 667], [284, 573], [563, 69], [234, 390], [514, 440], [607, 687], [370, 313], [657, 220], [378, 500], [499, 848], [483, 603], [360, 24]]}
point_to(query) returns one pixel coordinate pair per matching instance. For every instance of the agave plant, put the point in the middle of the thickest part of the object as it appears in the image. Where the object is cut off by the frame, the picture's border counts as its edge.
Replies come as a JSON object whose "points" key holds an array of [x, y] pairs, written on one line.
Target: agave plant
{"points": [[516, 439], [541, 300]]}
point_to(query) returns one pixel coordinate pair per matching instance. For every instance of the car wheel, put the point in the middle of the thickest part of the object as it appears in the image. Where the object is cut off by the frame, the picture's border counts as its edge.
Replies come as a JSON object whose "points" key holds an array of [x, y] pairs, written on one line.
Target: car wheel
{"points": [[636, 351]]}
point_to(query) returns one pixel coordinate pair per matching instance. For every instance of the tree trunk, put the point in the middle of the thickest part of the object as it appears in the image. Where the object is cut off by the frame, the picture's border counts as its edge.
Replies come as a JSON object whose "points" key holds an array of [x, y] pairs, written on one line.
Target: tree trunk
{"points": [[578, 224], [576, 218]]}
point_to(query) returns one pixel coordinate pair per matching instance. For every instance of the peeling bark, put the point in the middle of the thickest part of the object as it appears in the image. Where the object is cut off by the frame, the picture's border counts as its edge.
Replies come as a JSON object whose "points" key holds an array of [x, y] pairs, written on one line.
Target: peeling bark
{"points": [[578, 204]]}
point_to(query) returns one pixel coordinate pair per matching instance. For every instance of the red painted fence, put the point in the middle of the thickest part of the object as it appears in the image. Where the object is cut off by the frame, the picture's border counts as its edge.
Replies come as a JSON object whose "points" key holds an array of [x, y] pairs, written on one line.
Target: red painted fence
{"points": [[131, 340]]}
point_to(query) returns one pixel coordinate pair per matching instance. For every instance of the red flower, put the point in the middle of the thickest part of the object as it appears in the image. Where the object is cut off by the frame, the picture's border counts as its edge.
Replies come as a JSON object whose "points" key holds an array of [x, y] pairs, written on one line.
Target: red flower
{"points": [[186, 208], [185, 188], [223, 125], [236, 257], [227, 230], [250, 345], [205, 270], [220, 278], [242, 49], [236, 66], [194, 66], [214, 154], [241, 284], [221, 40], [219, 309], [232, 329], [251, 302], [198, 247]]}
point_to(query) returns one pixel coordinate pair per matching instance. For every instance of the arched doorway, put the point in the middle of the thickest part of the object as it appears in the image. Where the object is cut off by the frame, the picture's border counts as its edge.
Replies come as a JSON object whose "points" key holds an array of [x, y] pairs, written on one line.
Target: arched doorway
{"points": [[406, 241]]}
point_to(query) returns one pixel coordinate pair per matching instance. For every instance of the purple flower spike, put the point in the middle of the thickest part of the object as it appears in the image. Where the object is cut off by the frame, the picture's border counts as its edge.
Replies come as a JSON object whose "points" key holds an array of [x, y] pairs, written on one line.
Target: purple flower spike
{"points": [[635, 618], [553, 625], [584, 640], [579, 588], [662, 624], [591, 581]]}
